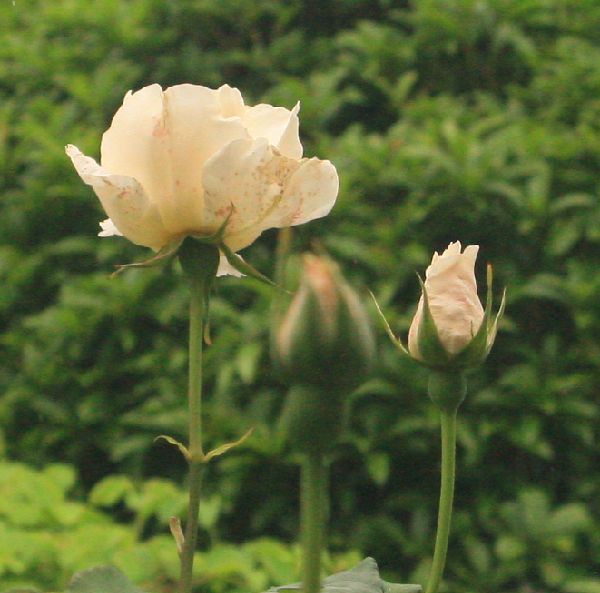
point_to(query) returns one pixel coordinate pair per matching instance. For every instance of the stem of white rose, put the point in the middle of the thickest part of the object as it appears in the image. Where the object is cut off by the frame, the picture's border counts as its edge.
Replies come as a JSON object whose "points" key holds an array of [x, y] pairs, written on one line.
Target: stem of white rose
{"points": [[197, 308]]}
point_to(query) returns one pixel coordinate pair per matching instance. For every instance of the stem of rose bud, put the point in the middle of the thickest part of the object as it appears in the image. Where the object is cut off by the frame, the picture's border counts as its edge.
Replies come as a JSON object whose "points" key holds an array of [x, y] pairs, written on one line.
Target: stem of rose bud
{"points": [[312, 518], [448, 430], [197, 309]]}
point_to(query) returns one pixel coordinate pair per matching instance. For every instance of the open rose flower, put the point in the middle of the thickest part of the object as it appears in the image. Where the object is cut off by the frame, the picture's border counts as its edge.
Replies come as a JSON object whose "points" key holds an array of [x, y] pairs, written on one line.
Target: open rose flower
{"points": [[185, 160], [450, 327]]}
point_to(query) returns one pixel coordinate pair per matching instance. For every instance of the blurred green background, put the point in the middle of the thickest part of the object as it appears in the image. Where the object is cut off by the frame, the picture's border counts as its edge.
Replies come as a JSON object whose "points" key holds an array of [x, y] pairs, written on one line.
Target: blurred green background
{"points": [[476, 120]]}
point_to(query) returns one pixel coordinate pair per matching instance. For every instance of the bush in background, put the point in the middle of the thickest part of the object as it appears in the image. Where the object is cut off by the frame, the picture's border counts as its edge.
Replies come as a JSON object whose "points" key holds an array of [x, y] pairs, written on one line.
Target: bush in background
{"points": [[476, 120]]}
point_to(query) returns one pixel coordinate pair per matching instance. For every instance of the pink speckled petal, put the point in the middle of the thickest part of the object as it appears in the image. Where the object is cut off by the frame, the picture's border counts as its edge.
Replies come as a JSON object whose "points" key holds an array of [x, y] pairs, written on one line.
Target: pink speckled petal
{"points": [[278, 125], [124, 200], [263, 189]]}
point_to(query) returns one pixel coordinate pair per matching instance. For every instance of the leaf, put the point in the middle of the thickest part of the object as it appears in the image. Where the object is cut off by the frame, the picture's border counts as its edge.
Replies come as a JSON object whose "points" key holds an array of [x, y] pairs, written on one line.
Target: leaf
{"points": [[101, 579], [363, 578], [224, 448], [172, 441]]}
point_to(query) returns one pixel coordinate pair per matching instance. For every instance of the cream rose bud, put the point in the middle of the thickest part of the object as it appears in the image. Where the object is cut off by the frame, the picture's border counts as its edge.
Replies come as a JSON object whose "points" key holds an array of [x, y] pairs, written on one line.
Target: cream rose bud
{"points": [[455, 308], [184, 160]]}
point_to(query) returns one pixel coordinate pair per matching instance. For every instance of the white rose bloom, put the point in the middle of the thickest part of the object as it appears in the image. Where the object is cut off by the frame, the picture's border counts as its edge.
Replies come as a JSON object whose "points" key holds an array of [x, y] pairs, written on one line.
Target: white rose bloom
{"points": [[452, 296], [181, 161]]}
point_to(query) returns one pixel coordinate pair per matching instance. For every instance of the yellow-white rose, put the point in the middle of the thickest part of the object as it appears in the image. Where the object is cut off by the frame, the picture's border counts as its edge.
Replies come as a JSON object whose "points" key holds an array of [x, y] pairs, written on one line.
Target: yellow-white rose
{"points": [[181, 161], [453, 302]]}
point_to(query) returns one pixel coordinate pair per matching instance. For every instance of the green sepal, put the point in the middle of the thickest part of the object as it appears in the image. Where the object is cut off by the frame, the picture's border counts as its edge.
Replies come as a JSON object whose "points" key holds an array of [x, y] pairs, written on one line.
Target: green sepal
{"points": [[430, 347], [395, 340], [494, 327], [363, 578], [245, 268], [226, 447], [184, 450], [477, 350], [101, 579], [164, 255]]}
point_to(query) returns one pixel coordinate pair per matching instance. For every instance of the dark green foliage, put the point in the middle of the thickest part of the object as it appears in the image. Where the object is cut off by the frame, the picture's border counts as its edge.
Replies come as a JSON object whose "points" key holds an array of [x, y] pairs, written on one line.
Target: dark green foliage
{"points": [[476, 120]]}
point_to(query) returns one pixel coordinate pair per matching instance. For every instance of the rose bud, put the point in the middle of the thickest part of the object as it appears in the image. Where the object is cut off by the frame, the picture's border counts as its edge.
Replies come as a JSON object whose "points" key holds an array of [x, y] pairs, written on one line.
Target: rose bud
{"points": [[325, 338], [450, 329], [325, 347]]}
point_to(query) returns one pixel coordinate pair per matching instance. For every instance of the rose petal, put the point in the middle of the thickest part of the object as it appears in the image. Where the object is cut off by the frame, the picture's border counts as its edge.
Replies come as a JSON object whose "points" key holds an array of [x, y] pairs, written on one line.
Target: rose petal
{"points": [[109, 229], [310, 193], [124, 200], [278, 125], [164, 139], [258, 188], [226, 269], [242, 183]]}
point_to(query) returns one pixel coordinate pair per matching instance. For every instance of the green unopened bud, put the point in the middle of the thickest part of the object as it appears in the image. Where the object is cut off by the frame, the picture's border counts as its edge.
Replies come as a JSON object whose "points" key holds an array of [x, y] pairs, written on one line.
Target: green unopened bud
{"points": [[325, 338]]}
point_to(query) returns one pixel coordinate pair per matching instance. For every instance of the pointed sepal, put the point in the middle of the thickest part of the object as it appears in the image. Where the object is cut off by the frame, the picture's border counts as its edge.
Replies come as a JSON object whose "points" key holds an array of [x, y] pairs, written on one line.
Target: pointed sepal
{"points": [[163, 256], [431, 350], [480, 346], [244, 267], [394, 339]]}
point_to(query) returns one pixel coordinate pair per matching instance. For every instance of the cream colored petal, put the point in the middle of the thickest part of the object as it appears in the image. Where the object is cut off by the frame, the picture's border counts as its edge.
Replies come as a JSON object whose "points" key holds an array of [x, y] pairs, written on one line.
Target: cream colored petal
{"points": [[278, 125], [196, 130], [413, 332], [124, 200], [453, 300], [226, 269], [134, 144], [260, 189], [243, 182], [163, 140], [309, 193], [109, 229], [457, 320], [231, 101]]}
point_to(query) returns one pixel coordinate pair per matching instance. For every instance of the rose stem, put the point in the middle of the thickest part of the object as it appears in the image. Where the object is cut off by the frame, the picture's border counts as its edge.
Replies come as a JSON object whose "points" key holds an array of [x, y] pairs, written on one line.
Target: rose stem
{"points": [[313, 497], [197, 305], [448, 425]]}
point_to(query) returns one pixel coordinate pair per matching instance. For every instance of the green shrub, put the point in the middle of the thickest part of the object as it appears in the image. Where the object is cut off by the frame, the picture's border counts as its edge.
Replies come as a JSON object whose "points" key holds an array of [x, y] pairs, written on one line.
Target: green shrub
{"points": [[470, 120]]}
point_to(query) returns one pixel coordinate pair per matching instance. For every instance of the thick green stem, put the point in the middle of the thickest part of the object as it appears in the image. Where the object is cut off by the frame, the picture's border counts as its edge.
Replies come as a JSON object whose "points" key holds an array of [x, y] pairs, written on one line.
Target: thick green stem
{"points": [[312, 519], [197, 308], [448, 422]]}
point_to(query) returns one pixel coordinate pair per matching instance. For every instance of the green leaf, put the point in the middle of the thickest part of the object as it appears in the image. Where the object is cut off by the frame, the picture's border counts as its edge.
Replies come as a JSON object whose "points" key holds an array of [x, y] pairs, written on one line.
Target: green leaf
{"points": [[101, 579], [184, 450], [224, 448], [363, 578]]}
